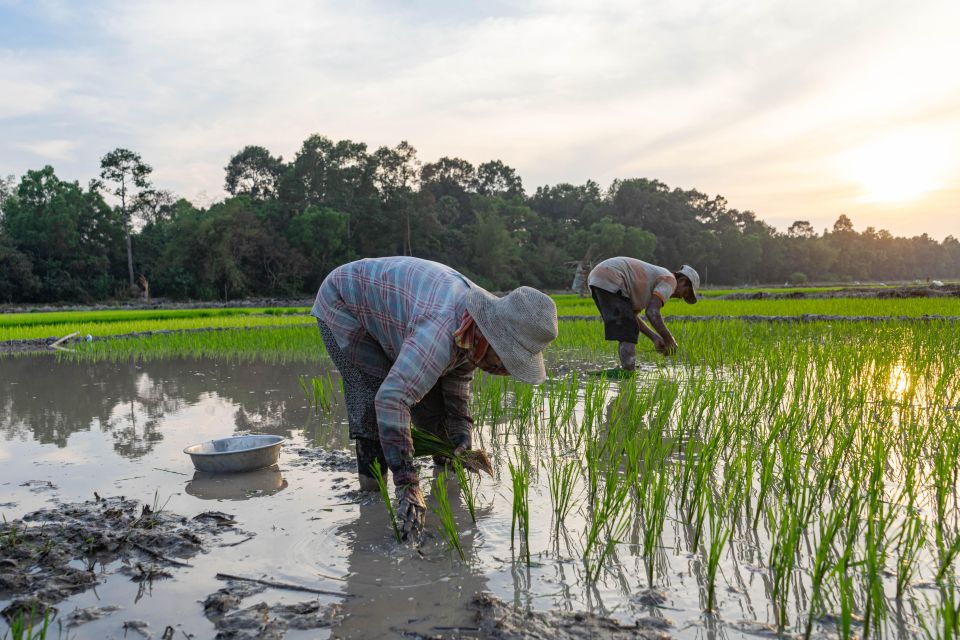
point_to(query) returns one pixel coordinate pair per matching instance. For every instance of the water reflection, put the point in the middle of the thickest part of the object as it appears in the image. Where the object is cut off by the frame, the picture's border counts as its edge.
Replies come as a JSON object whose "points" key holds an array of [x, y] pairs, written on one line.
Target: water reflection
{"points": [[398, 592], [237, 486], [47, 400]]}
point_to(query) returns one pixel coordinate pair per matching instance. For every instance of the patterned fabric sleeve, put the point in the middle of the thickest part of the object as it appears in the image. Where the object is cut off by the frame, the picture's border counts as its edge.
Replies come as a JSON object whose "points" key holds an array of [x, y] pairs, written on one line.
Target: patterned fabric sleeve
{"points": [[419, 364], [664, 286], [456, 397]]}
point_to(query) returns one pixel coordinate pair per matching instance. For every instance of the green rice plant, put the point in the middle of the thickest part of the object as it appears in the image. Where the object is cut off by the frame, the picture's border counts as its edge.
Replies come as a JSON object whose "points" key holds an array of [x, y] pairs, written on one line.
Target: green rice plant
{"points": [[655, 514], [319, 393], [466, 488], [561, 478], [268, 344], [430, 444], [10, 537], [946, 616], [879, 515], [114, 323], [608, 519], [520, 479], [23, 625], [719, 537], [391, 512], [448, 526], [828, 529]]}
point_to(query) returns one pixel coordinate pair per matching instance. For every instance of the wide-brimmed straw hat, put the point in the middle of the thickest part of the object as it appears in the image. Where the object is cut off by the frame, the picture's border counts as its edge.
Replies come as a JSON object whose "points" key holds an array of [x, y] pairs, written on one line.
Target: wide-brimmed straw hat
{"points": [[519, 326], [694, 279]]}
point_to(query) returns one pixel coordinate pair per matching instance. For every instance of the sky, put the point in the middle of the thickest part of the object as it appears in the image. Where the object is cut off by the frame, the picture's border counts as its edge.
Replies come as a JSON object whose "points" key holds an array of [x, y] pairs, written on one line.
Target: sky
{"points": [[793, 110]]}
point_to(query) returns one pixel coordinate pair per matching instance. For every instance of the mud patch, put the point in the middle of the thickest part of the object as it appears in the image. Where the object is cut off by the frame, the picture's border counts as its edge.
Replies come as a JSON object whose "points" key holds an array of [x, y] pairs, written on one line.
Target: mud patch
{"points": [[51, 554], [263, 621], [501, 621], [327, 460], [78, 617]]}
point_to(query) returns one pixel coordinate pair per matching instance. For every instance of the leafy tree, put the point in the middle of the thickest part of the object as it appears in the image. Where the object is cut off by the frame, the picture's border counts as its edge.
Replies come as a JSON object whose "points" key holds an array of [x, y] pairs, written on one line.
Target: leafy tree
{"points": [[129, 173], [253, 172], [801, 229], [320, 234], [17, 280], [70, 236], [497, 179]]}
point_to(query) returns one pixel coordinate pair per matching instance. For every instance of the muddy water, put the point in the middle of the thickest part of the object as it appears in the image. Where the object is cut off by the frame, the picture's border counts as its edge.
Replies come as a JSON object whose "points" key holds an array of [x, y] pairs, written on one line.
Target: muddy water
{"points": [[68, 430]]}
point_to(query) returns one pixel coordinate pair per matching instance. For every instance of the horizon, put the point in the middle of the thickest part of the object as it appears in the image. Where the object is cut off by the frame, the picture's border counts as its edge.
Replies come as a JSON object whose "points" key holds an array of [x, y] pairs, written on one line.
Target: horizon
{"points": [[792, 112]]}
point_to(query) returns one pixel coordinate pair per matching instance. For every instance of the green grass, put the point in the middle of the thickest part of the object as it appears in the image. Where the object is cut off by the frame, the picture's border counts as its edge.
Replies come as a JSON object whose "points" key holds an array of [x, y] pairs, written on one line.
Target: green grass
{"points": [[574, 306], [288, 344], [118, 323], [24, 326], [128, 315]]}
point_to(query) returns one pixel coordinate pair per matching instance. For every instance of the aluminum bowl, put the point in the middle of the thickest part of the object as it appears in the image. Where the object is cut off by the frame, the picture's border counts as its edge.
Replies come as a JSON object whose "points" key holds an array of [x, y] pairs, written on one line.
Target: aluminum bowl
{"points": [[235, 454]]}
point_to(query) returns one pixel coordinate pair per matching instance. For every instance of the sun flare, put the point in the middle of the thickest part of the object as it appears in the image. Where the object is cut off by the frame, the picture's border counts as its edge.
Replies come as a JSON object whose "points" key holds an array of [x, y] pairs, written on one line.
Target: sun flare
{"points": [[899, 167]]}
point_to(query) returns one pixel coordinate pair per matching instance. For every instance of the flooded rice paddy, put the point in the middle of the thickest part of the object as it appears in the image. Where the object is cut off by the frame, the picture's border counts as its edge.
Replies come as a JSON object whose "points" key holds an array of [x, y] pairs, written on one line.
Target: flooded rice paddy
{"points": [[75, 431]]}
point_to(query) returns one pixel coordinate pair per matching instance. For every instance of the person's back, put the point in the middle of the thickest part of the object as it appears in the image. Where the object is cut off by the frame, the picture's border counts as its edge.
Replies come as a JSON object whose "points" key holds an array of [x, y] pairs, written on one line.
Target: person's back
{"points": [[385, 297], [634, 279]]}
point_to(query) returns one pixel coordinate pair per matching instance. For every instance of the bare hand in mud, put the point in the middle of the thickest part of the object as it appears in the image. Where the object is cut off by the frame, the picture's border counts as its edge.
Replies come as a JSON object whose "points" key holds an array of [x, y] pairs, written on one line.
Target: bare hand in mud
{"points": [[411, 511], [666, 347], [660, 345]]}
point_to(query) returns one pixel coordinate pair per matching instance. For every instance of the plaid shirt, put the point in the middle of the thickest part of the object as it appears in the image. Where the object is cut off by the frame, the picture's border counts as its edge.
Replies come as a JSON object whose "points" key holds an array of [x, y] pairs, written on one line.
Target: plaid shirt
{"points": [[395, 318]]}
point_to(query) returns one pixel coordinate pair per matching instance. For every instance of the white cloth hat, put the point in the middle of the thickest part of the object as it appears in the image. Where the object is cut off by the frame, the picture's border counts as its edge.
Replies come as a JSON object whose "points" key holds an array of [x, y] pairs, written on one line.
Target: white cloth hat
{"points": [[519, 326], [694, 279]]}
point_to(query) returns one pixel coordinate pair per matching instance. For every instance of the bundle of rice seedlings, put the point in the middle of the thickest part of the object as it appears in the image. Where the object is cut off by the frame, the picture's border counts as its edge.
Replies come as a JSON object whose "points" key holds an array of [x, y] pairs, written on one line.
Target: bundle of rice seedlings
{"points": [[429, 444]]}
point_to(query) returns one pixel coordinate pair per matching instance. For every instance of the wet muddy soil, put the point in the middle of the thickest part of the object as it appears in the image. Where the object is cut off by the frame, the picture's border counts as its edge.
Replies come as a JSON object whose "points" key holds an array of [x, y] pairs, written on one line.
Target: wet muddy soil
{"points": [[52, 554], [119, 534]]}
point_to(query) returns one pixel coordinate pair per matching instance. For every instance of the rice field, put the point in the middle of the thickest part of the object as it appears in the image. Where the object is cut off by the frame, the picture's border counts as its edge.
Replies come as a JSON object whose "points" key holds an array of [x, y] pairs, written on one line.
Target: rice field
{"points": [[874, 307], [793, 479], [28, 326], [814, 466]]}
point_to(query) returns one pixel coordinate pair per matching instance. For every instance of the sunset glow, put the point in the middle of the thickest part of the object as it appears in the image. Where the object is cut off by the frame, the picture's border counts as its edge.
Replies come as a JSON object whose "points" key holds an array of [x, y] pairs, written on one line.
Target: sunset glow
{"points": [[898, 168]]}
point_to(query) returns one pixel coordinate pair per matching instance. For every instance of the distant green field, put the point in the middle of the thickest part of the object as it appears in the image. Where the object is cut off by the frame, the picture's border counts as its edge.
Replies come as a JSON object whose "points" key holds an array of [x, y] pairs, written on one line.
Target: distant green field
{"points": [[107, 323], [22, 326], [571, 305]]}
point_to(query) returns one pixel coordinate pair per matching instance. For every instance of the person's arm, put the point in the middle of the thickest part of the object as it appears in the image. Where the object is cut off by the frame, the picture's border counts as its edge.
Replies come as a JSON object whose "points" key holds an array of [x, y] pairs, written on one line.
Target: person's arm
{"points": [[417, 368], [657, 341], [457, 392], [656, 320]]}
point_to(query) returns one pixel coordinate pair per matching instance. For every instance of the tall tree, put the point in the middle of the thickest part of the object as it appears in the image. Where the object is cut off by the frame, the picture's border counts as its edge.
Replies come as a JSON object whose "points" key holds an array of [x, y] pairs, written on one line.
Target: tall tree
{"points": [[253, 172], [129, 174]]}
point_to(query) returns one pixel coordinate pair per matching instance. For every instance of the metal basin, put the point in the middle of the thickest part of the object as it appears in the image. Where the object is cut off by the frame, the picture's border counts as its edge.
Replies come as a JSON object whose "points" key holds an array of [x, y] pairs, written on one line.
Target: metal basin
{"points": [[235, 454]]}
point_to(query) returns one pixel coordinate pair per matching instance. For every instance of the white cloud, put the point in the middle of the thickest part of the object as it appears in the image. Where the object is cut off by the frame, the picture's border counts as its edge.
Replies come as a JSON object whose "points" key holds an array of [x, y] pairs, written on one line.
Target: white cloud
{"points": [[747, 99], [50, 149]]}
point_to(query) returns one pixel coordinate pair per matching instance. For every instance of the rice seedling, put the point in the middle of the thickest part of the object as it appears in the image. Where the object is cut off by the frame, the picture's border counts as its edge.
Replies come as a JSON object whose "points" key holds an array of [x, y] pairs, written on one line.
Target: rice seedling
{"points": [[448, 526], [319, 393], [520, 476], [561, 477], [822, 563], [391, 512], [654, 517], [466, 488], [23, 626], [429, 444], [718, 539]]}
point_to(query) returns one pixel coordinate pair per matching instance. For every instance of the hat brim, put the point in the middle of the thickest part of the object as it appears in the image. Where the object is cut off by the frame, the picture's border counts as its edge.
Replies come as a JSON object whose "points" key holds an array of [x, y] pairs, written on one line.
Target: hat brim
{"points": [[520, 363]]}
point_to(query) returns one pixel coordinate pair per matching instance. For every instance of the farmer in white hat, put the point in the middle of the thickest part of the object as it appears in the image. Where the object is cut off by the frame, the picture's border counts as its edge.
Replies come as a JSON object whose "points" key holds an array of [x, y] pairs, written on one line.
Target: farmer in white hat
{"points": [[406, 335], [624, 287]]}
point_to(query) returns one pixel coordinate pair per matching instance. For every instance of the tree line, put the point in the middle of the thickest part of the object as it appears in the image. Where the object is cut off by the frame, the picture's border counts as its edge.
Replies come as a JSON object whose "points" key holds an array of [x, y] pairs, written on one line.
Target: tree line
{"points": [[286, 224]]}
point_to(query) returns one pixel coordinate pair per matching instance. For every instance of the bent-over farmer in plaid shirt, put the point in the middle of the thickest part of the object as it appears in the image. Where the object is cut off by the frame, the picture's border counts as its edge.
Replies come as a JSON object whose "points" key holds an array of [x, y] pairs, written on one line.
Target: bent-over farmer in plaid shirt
{"points": [[406, 335], [624, 287]]}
